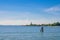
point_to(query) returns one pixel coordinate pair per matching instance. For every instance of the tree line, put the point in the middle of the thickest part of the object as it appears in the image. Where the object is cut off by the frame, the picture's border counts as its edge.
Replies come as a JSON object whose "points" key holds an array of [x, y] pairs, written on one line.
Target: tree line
{"points": [[53, 24]]}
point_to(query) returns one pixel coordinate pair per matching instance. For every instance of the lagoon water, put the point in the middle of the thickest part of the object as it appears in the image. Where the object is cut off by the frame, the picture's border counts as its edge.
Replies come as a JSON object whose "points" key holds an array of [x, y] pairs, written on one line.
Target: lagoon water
{"points": [[29, 33]]}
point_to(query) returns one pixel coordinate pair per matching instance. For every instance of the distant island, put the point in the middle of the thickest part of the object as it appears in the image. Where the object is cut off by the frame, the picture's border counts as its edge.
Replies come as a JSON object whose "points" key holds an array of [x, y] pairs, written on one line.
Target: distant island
{"points": [[53, 24]]}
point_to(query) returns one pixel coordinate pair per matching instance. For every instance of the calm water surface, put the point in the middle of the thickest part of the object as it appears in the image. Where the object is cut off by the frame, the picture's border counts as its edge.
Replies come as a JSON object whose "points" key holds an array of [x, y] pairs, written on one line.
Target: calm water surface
{"points": [[29, 33]]}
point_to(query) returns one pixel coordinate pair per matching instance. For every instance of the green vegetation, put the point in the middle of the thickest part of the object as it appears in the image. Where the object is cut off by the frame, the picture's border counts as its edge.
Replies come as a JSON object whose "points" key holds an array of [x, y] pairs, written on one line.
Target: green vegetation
{"points": [[53, 24], [31, 24]]}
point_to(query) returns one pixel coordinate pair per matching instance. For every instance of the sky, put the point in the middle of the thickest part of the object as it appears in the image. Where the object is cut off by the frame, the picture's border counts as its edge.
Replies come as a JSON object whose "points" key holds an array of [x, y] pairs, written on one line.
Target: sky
{"points": [[22, 12]]}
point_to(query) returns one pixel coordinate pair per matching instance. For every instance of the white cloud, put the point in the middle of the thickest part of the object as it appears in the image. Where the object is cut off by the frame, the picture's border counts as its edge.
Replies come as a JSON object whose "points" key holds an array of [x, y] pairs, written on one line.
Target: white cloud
{"points": [[17, 22], [53, 9], [23, 22], [14, 22]]}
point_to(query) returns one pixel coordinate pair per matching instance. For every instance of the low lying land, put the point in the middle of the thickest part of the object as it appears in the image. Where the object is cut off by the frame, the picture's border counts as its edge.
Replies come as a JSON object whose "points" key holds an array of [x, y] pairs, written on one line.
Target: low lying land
{"points": [[53, 24]]}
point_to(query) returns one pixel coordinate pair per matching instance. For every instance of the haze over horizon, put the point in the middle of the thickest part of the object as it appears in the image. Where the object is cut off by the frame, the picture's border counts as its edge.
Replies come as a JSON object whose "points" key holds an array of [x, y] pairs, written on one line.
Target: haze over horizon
{"points": [[21, 12]]}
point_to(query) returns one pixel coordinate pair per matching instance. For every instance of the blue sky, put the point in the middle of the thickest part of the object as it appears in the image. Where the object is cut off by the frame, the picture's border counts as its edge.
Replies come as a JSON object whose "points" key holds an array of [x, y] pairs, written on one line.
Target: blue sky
{"points": [[18, 12]]}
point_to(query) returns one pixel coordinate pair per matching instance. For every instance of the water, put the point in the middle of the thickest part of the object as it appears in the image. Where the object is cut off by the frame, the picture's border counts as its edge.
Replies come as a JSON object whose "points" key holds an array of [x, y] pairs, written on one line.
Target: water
{"points": [[29, 33]]}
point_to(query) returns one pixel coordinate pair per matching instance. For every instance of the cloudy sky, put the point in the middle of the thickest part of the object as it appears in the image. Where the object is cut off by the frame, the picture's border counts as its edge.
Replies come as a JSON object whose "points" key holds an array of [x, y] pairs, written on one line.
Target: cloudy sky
{"points": [[21, 12]]}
